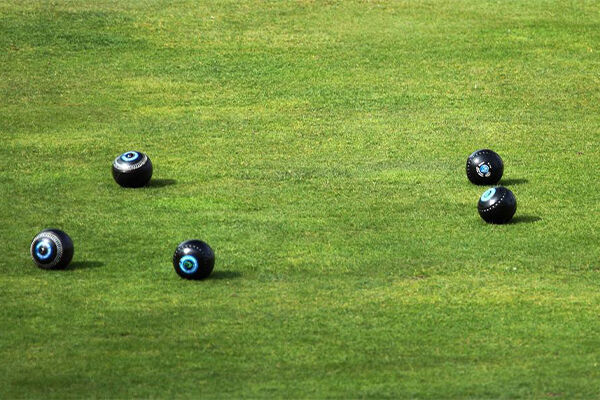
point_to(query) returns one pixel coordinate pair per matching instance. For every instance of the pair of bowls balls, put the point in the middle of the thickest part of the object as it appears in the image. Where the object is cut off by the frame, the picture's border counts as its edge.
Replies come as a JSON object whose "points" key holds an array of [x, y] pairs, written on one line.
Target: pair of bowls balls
{"points": [[132, 169], [193, 259], [53, 249], [496, 205]]}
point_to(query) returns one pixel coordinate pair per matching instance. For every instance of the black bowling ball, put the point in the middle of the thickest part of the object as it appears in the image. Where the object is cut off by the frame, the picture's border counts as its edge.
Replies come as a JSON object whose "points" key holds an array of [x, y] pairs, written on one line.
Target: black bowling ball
{"points": [[52, 249], [193, 259], [132, 169], [497, 205], [484, 167]]}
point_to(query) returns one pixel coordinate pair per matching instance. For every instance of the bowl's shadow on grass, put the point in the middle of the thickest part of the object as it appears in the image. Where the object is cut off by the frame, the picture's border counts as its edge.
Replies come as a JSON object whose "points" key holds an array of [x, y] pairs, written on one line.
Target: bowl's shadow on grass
{"points": [[85, 264], [513, 181], [525, 219], [224, 275], [159, 183]]}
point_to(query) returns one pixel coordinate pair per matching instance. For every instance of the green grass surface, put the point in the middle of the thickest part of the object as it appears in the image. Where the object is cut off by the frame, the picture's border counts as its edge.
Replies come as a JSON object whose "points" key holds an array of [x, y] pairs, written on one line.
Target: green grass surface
{"points": [[319, 147]]}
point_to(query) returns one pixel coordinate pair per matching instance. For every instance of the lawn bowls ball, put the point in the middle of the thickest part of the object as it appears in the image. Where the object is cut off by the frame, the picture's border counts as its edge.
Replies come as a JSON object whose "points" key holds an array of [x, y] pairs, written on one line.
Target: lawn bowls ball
{"points": [[132, 169], [484, 167], [52, 249], [497, 205], [193, 259]]}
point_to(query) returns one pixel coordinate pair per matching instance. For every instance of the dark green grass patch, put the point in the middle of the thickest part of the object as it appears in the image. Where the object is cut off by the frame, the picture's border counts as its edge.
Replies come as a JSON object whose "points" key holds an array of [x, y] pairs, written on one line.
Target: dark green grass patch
{"points": [[319, 147]]}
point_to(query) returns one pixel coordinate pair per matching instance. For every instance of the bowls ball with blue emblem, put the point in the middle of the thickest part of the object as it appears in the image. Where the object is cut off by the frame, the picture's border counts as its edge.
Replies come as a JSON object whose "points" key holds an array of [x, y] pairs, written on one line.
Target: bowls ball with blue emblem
{"points": [[497, 205], [52, 249], [132, 169], [193, 259], [484, 167]]}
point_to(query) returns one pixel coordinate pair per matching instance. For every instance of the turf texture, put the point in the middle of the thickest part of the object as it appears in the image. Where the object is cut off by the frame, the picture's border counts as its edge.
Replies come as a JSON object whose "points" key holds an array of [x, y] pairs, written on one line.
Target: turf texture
{"points": [[319, 147]]}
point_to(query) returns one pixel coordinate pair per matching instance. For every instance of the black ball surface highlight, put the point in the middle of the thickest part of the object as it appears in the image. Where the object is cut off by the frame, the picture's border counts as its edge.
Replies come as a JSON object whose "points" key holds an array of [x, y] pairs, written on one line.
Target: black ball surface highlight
{"points": [[52, 249], [132, 169], [484, 167], [193, 259], [497, 205]]}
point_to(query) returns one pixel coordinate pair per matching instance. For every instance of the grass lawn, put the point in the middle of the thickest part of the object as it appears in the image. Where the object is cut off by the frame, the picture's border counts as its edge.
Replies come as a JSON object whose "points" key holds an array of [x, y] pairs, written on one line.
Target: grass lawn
{"points": [[319, 147]]}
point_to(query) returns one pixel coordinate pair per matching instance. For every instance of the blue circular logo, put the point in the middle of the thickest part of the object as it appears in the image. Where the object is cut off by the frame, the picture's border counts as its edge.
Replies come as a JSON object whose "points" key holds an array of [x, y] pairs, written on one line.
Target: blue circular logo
{"points": [[484, 169], [130, 156], [488, 194], [43, 250], [188, 264]]}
